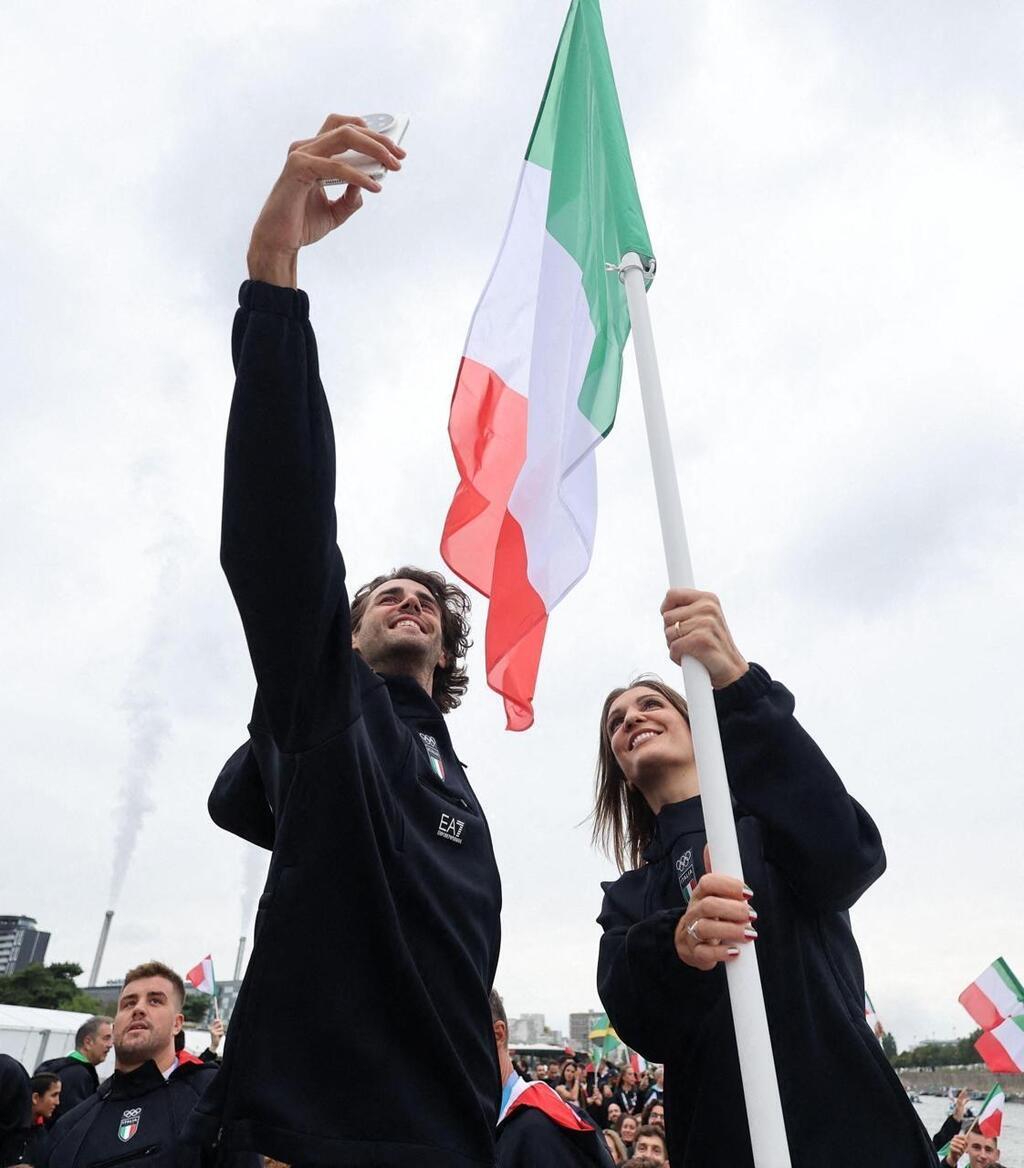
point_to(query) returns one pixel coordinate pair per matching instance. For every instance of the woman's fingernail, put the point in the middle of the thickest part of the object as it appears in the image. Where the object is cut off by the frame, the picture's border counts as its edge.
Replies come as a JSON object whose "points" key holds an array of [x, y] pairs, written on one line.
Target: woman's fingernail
{"points": [[748, 892], [750, 934], [733, 951], [753, 914]]}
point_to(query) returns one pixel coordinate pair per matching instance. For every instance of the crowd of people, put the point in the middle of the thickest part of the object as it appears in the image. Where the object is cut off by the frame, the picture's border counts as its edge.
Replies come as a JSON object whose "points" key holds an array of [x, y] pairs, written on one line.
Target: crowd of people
{"points": [[63, 1116], [628, 1108]]}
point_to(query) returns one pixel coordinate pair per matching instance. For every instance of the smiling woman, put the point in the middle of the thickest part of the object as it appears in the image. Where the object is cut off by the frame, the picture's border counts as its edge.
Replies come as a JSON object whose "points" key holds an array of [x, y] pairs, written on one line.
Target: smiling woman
{"points": [[670, 923]]}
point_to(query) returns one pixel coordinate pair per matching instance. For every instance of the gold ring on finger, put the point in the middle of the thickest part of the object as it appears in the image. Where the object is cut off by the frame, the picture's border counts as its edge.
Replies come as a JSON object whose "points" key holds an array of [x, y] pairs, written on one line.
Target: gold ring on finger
{"points": [[678, 626]]}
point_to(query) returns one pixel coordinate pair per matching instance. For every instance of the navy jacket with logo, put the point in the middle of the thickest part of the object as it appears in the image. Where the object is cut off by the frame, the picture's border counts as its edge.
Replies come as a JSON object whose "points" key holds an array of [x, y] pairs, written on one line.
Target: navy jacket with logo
{"points": [[809, 850], [78, 1080], [377, 935], [135, 1119]]}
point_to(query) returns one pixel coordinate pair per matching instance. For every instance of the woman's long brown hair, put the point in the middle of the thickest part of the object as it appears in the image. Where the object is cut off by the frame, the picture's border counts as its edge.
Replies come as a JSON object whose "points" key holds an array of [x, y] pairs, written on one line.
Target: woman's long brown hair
{"points": [[623, 823]]}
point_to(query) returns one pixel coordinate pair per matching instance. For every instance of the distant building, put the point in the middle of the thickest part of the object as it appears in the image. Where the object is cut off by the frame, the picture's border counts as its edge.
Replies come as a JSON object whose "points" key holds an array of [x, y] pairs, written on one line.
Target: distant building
{"points": [[21, 944], [580, 1026], [527, 1028]]}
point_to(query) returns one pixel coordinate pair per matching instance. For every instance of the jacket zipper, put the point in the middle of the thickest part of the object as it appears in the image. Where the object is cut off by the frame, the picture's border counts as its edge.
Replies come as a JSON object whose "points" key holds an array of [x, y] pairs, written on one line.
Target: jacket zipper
{"points": [[437, 785], [150, 1150]]}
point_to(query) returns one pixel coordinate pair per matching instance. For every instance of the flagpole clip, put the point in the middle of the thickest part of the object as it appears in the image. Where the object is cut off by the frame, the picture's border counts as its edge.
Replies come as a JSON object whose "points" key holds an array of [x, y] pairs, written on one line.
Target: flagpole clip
{"points": [[648, 270]]}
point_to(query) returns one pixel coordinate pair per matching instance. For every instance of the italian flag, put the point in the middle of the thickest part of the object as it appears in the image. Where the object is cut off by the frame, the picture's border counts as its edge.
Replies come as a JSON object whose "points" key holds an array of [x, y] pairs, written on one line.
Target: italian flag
{"points": [[994, 995], [990, 1118], [1002, 1047], [637, 1062], [538, 385], [871, 1016], [201, 976]]}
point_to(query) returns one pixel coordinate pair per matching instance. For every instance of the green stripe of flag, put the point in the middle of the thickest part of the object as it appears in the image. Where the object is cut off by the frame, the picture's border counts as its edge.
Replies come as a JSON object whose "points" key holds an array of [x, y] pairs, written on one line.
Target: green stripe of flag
{"points": [[1008, 978], [594, 209]]}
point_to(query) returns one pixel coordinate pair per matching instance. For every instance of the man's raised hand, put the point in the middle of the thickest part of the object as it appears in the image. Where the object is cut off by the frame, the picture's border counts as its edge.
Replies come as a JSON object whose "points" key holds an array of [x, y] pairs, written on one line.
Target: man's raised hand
{"points": [[298, 211]]}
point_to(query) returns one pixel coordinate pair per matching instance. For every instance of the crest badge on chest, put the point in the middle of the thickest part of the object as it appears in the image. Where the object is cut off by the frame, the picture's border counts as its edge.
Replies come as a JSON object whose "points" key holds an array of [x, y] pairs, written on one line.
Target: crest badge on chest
{"points": [[129, 1124], [434, 754], [686, 874]]}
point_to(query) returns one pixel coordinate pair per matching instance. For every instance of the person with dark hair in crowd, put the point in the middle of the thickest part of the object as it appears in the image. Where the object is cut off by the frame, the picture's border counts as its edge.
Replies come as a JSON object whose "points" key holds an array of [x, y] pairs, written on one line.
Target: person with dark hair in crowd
{"points": [[138, 1113], [45, 1097], [573, 1087], [383, 876], [537, 1127], [654, 1112], [670, 924], [627, 1126], [628, 1094], [650, 1142], [77, 1070], [640, 1162], [982, 1151]]}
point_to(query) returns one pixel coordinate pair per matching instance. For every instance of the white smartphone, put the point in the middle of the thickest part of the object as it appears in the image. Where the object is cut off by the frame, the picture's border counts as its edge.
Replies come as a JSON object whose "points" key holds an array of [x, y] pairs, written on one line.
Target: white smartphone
{"points": [[393, 125]]}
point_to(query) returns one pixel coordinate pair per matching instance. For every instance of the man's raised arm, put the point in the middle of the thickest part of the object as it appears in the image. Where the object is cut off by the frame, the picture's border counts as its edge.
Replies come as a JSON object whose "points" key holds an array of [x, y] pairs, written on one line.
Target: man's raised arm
{"points": [[278, 536]]}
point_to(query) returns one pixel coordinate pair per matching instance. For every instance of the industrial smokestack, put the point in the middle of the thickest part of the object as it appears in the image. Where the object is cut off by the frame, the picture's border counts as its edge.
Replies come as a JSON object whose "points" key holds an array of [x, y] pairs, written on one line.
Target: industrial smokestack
{"points": [[240, 959], [94, 976]]}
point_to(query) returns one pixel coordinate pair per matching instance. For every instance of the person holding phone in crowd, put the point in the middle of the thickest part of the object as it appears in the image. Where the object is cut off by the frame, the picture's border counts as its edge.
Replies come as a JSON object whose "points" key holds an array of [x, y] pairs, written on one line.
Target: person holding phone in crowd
{"points": [[383, 896], [671, 923]]}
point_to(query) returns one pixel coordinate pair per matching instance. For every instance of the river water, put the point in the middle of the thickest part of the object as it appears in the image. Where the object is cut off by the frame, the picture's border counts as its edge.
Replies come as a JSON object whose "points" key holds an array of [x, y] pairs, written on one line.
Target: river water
{"points": [[933, 1109]]}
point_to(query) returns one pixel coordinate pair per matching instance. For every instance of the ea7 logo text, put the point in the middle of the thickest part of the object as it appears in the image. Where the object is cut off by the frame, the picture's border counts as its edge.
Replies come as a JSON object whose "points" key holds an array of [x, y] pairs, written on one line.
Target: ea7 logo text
{"points": [[450, 828]]}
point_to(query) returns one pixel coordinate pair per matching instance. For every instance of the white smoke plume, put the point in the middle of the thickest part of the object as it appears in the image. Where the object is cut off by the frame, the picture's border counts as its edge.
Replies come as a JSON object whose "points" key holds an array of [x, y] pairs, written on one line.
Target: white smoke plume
{"points": [[146, 710]]}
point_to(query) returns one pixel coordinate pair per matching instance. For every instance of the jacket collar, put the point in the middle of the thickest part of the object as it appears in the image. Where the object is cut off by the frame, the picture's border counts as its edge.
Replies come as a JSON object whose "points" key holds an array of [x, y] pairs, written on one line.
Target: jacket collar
{"points": [[672, 821], [410, 699], [131, 1084]]}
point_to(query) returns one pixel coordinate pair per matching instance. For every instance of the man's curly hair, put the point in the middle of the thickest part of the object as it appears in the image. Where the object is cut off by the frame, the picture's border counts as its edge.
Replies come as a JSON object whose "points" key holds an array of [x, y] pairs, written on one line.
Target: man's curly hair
{"points": [[450, 681]]}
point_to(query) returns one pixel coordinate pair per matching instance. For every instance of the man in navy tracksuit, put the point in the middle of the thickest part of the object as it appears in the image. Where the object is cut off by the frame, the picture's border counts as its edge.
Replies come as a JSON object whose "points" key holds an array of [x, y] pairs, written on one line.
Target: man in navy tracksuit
{"points": [[380, 916], [137, 1115], [77, 1071]]}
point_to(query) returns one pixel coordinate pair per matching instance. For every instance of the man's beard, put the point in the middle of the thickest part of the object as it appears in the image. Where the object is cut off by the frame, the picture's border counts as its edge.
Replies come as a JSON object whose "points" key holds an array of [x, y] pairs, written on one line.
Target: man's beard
{"points": [[146, 1046], [405, 659]]}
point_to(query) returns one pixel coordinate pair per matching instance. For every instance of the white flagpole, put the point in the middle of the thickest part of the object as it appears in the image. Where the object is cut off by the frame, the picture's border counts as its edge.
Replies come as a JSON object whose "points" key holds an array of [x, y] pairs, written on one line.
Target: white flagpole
{"points": [[753, 1042]]}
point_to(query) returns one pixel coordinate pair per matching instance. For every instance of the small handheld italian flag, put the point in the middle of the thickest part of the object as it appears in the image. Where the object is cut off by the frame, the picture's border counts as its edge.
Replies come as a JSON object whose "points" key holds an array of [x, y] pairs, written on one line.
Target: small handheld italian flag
{"points": [[871, 1016], [990, 1118], [201, 976], [993, 996], [538, 385], [638, 1063]]}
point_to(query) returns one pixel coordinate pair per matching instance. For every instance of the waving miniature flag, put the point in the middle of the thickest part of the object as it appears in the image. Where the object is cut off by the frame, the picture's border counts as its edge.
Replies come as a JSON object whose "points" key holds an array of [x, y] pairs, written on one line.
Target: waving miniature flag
{"points": [[538, 385], [1002, 1047], [603, 1038], [201, 976], [996, 994], [877, 1029], [637, 1062], [990, 1117]]}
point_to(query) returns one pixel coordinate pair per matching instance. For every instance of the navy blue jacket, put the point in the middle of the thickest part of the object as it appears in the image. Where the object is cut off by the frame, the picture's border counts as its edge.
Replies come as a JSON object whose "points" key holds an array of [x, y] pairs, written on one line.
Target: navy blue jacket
{"points": [[78, 1080], [809, 850], [378, 930], [135, 1119]]}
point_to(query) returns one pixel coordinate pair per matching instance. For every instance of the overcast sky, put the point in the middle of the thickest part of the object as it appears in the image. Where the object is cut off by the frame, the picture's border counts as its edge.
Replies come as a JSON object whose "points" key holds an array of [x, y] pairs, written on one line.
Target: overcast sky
{"points": [[834, 196]]}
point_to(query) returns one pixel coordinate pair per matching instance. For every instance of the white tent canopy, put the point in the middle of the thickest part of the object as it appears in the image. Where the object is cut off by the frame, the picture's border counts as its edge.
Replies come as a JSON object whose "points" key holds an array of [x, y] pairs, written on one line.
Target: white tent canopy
{"points": [[31, 1034]]}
